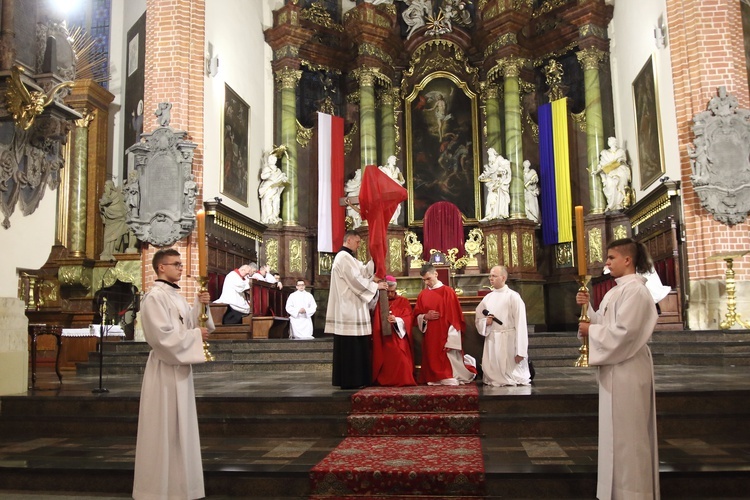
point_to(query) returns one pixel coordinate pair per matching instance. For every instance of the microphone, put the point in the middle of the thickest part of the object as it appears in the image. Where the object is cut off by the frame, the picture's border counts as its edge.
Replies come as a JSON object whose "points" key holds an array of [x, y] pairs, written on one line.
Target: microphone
{"points": [[487, 313]]}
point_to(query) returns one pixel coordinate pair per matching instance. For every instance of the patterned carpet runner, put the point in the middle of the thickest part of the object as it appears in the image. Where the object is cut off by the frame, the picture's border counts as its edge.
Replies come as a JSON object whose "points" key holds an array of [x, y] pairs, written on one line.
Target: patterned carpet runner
{"points": [[407, 442]]}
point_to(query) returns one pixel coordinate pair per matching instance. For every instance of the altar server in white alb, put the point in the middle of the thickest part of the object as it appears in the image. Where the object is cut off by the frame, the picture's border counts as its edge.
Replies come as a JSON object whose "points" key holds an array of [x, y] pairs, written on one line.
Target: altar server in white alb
{"points": [[618, 346], [301, 306], [505, 360], [168, 450]]}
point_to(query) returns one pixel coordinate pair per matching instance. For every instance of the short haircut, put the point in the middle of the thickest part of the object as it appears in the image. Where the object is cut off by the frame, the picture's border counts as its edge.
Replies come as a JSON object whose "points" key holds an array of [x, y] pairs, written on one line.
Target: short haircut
{"points": [[303, 281], [253, 266], [427, 268], [503, 270], [636, 250], [351, 234], [160, 255]]}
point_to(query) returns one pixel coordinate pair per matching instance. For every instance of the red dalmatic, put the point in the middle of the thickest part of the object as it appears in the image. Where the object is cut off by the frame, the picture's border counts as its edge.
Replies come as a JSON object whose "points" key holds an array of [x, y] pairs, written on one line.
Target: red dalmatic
{"points": [[392, 360]]}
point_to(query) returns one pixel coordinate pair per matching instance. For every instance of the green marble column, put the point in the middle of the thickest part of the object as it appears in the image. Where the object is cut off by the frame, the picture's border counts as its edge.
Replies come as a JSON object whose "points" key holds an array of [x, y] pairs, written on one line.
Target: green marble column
{"points": [[492, 116], [387, 126], [513, 134], [287, 79], [367, 130], [590, 59], [77, 199]]}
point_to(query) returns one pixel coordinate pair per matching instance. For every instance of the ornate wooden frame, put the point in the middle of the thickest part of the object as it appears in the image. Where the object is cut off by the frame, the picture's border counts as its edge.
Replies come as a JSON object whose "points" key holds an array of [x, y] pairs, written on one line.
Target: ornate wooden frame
{"points": [[451, 140]]}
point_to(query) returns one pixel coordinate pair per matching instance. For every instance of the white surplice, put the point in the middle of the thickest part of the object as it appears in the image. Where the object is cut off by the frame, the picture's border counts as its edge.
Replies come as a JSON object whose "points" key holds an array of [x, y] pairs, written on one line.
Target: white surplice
{"points": [[504, 342], [300, 324], [168, 453], [618, 337], [232, 292], [351, 291]]}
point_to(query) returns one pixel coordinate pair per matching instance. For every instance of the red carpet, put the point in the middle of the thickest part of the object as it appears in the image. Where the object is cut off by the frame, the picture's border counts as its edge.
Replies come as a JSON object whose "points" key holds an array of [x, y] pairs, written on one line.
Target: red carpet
{"points": [[417, 441]]}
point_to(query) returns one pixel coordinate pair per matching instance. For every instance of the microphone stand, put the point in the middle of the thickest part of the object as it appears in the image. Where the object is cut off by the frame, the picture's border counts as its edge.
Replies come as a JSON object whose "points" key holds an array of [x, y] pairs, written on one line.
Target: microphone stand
{"points": [[103, 310]]}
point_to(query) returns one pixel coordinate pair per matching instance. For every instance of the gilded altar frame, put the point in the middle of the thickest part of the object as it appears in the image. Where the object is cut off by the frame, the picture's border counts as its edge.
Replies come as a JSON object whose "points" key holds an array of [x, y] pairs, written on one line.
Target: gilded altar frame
{"points": [[442, 146]]}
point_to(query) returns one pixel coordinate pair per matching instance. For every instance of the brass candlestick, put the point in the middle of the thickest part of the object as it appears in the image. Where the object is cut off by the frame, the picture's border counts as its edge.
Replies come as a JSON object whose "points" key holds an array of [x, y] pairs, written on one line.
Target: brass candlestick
{"points": [[203, 318], [583, 357], [732, 315]]}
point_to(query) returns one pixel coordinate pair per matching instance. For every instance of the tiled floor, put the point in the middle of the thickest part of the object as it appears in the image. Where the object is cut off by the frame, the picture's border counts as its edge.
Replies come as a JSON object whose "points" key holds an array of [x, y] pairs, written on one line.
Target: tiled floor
{"points": [[300, 454]]}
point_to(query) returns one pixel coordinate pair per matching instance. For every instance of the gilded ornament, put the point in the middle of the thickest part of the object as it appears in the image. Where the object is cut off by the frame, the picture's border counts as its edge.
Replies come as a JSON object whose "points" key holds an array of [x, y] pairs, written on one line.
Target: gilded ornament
{"points": [[564, 255], [506, 250], [595, 245], [653, 208], [74, 275], [394, 255], [492, 251], [318, 14], [514, 248], [502, 41], [86, 118], [272, 253], [375, 51], [549, 6], [287, 78], [362, 251], [325, 263], [592, 30], [620, 232], [349, 138], [528, 249], [414, 249], [236, 226], [295, 256], [304, 135], [580, 120], [591, 57], [25, 106], [474, 245]]}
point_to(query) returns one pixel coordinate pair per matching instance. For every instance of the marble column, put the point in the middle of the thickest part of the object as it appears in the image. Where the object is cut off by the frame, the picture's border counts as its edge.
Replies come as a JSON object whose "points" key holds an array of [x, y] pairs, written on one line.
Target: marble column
{"points": [[492, 117], [7, 36], [78, 186], [287, 79], [513, 134], [367, 131], [387, 125], [590, 59]]}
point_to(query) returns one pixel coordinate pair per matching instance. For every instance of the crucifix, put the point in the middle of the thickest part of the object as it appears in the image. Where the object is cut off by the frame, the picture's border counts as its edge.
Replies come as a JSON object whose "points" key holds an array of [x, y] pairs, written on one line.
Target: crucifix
{"points": [[353, 203]]}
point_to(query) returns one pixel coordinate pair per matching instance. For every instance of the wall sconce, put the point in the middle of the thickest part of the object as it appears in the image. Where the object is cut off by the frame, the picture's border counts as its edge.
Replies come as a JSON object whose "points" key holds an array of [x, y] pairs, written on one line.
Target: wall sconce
{"points": [[212, 66], [660, 36]]}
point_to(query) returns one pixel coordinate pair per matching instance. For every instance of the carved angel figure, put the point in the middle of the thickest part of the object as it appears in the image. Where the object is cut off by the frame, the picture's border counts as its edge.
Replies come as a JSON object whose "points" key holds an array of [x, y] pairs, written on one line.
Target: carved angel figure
{"points": [[415, 14], [25, 106], [162, 114], [351, 188]]}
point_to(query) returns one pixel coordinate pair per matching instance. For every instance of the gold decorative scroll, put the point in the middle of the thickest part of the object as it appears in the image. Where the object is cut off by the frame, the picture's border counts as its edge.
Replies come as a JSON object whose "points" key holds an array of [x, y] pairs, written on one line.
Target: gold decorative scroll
{"points": [[528, 249], [272, 253], [492, 251], [595, 245], [296, 255]]}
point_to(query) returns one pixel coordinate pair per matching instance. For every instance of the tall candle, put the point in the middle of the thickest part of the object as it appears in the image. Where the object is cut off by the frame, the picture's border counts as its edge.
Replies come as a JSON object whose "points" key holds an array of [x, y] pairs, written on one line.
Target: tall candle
{"points": [[580, 242], [200, 219]]}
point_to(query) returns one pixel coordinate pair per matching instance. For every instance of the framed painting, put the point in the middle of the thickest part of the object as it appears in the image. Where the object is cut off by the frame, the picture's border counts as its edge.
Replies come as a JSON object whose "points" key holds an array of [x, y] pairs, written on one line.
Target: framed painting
{"points": [[648, 125], [442, 146], [134, 89], [234, 147]]}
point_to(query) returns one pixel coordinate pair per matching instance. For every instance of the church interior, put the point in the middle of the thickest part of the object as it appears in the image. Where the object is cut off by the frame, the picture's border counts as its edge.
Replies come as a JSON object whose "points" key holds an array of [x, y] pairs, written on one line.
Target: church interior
{"points": [[527, 134]]}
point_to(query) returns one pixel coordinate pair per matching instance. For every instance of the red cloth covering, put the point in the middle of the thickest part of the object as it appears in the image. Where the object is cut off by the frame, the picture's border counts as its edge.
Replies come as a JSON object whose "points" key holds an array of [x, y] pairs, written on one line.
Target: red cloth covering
{"points": [[443, 229], [435, 363], [392, 360], [379, 196]]}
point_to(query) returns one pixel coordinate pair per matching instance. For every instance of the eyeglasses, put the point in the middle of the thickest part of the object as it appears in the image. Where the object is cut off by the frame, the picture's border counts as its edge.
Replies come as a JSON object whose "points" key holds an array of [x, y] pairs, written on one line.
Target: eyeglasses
{"points": [[177, 265]]}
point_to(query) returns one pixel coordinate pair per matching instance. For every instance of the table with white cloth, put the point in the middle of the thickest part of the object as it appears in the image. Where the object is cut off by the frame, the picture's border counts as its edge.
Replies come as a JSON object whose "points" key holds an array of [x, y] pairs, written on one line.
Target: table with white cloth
{"points": [[79, 342]]}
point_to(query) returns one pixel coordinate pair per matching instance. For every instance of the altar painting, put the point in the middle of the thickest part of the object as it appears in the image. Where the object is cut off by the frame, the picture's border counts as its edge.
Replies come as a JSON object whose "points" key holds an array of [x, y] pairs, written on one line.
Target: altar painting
{"points": [[234, 148], [442, 146]]}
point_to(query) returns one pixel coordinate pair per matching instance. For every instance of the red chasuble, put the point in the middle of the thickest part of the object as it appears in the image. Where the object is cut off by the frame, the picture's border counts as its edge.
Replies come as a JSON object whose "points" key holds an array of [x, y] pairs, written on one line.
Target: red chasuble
{"points": [[392, 360], [435, 363]]}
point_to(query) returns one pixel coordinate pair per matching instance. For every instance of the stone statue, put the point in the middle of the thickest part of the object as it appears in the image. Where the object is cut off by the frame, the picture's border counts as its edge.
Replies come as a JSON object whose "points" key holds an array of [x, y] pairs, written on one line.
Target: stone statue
{"points": [[117, 235], [351, 188], [531, 191], [415, 14], [615, 175], [162, 114], [133, 194], [496, 175], [273, 182], [189, 192], [392, 171]]}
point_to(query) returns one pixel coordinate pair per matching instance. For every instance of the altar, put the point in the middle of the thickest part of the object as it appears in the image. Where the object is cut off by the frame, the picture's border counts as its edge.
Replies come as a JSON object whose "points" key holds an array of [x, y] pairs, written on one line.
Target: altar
{"points": [[77, 343]]}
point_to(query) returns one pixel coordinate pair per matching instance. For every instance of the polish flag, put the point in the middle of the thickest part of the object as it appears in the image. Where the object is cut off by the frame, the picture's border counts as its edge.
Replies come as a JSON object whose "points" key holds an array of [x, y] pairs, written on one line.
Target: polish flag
{"points": [[331, 215]]}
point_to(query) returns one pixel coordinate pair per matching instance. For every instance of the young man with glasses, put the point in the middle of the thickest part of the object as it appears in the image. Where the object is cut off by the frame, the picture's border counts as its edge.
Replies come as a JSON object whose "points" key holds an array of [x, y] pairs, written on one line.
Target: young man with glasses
{"points": [[168, 452]]}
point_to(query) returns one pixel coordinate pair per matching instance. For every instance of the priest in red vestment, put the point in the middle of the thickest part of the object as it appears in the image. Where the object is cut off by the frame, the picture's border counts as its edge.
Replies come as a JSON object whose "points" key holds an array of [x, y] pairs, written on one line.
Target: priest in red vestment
{"points": [[440, 318], [392, 360]]}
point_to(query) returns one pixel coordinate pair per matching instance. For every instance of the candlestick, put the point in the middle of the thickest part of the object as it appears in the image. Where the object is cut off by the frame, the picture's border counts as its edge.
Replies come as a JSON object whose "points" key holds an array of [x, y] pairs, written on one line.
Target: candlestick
{"points": [[583, 351], [200, 219], [580, 243], [203, 317]]}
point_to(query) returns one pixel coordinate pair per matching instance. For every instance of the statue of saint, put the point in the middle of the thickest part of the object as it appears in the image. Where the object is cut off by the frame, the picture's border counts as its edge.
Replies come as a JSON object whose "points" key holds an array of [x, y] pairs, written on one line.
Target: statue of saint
{"points": [[133, 194], [615, 175], [392, 171], [273, 182], [496, 175], [351, 188], [117, 236], [531, 191], [189, 194]]}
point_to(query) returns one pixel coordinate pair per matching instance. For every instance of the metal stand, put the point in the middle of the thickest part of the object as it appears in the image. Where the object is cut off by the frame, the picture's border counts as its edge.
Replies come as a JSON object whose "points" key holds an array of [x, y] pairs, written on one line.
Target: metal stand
{"points": [[100, 389], [732, 315]]}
